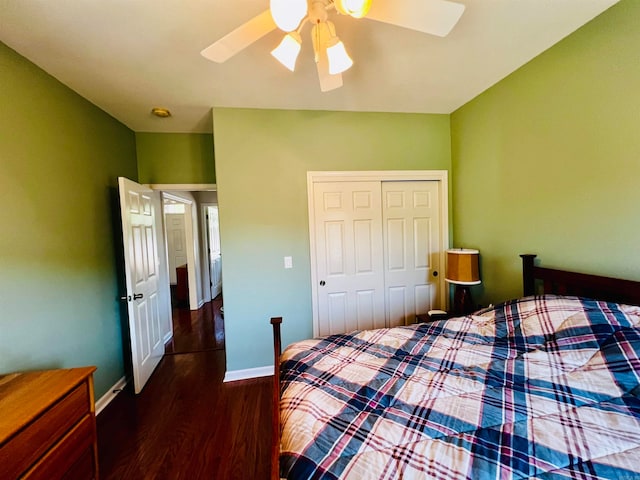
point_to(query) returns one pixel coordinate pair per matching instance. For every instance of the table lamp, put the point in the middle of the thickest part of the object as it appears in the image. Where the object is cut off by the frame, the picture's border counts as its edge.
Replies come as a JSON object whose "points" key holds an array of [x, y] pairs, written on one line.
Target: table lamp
{"points": [[462, 271]]}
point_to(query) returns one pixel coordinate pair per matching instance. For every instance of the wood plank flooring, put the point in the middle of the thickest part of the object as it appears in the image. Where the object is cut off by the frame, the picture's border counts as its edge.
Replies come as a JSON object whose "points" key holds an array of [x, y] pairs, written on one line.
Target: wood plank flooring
{"points": [[187, 424], [198, 330]]}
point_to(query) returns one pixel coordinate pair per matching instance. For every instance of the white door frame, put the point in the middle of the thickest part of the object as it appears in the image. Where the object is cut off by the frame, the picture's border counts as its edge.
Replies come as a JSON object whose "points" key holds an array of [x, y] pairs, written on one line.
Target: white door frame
{"points": [[190, 241], [441, 176]]}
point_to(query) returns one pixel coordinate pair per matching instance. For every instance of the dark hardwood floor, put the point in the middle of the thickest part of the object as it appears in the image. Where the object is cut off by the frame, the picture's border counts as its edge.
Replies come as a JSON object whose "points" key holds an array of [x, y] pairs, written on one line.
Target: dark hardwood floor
{"points": [[198, 330], [186, 423]]}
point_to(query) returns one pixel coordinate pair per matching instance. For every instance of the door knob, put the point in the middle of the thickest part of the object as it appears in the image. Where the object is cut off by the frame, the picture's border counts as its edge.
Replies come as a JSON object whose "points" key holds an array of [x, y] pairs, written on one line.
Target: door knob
{"points": [[322, 283], [126, 298], [137, 296], [435, 273]]}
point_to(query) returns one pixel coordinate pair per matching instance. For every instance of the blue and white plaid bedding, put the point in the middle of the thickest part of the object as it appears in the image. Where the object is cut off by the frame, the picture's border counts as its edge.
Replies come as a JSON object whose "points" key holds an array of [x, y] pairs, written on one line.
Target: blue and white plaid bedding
{"points": [[541, 387]]}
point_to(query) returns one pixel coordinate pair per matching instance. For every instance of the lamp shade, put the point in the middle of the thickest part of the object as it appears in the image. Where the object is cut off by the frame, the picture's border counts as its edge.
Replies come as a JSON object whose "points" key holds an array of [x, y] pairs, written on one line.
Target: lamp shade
{"points": [[462, 266], [287, 14], [339, 59], [355, 8], [287, 52]]}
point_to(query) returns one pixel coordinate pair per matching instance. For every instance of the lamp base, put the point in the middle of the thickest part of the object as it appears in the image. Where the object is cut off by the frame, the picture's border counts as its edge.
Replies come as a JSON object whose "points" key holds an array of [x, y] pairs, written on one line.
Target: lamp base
{"points": [[462, 302]]}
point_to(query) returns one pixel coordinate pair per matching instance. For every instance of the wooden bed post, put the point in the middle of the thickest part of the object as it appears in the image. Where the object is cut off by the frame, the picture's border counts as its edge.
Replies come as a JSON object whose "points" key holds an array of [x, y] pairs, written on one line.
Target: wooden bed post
{"points": [[275, 420], [528, 277]]}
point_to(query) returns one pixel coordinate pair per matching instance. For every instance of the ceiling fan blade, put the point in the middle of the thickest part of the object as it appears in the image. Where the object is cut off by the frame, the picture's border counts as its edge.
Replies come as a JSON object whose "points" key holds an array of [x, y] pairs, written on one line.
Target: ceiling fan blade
{"points": [[435, 17], [328, 82], [240, 38]]}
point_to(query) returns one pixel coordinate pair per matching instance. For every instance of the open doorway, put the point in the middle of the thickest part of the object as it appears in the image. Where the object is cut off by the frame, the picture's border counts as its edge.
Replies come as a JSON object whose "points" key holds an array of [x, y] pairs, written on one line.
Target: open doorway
{"points": [[181, 243], [193, 257]]}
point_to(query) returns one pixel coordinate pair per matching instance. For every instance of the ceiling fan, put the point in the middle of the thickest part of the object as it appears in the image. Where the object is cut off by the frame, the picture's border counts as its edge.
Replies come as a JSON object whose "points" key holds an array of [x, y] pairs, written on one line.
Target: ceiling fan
{"points": [[435, 17]]}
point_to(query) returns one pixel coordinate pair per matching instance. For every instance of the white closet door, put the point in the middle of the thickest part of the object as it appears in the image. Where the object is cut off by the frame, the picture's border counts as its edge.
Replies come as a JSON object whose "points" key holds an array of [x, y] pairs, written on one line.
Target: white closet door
{"points": [[412, 249], [349, 256]]}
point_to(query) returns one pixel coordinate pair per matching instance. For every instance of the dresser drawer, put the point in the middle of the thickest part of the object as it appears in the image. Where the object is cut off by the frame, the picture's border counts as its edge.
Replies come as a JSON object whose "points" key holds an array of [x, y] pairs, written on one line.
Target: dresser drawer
{"points": [[29, 444], [62, 460], [83, 468]]}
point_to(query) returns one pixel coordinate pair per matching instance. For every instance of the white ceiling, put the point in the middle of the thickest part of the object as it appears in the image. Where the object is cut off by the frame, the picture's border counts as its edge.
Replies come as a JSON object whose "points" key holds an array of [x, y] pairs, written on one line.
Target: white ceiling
{"points": [[127, 56]]}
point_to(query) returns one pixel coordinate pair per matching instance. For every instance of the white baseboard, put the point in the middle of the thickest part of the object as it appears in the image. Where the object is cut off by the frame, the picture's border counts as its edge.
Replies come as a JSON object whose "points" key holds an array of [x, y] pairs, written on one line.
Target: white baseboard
{"points": [[168, 336], [235, 375], [106, 399]]}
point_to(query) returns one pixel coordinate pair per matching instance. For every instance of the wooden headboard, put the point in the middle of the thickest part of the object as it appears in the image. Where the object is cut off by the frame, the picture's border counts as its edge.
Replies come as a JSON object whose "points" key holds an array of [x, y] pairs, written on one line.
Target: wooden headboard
{"points": [[536, 280]]}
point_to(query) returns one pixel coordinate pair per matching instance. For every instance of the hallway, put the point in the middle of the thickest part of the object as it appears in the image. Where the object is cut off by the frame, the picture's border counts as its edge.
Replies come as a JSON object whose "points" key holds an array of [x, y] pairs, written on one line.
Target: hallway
{"points": [[197, 330], [186, 423]]}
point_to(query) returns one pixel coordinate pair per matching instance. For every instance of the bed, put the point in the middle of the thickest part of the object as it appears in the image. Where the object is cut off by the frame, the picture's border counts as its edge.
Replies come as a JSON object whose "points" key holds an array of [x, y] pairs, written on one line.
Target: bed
{"points": [[544, 386]]}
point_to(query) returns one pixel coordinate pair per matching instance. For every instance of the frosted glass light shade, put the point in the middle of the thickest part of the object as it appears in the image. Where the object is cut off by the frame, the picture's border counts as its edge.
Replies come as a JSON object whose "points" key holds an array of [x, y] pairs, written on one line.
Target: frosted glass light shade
{"points": [[287, 52], [462, 266], [339, 59], [288, 13], [355, 8]]}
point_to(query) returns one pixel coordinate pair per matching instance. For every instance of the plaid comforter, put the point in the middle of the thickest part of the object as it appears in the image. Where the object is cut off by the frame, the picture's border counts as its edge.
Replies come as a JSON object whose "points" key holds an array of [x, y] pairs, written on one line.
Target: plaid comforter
{"points": [[541, 387]]}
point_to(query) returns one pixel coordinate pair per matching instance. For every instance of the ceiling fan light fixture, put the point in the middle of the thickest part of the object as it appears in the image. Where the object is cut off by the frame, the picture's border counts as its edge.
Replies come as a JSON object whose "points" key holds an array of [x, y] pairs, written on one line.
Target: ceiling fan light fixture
{"points": [[287, 52], [287, 14], [339, 59], [355, 8]]}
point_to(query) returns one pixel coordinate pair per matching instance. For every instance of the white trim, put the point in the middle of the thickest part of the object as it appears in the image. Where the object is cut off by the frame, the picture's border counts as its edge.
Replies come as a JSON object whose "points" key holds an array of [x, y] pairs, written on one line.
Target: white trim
{"points": [[106, 399], [378, 175], [176, 198], [184, 187], [235, 375], [441, 176], [458, 282], [169, 335]]}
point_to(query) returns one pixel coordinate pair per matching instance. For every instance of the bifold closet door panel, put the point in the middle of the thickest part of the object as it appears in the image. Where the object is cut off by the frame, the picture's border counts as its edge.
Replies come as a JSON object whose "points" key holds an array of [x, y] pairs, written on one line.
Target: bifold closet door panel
{"points": [[349, 256], [410, 217]]}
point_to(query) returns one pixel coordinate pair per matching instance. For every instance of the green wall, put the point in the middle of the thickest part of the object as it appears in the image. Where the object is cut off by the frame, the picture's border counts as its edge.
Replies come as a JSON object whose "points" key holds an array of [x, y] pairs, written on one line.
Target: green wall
{"points": [[59, 157], [175, 158], [262, 159], [548, 160]]}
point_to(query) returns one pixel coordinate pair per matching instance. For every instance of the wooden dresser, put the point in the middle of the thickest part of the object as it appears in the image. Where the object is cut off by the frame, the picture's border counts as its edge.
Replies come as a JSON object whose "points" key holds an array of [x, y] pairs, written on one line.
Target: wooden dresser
{"points": [[48, 425]]}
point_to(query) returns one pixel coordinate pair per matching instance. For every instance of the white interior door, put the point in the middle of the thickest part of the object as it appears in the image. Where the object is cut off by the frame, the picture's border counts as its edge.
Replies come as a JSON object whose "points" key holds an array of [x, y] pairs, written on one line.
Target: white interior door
{"points": [[142, 268], [176, 243], [348, 226], [215, 257], [410, 213]]}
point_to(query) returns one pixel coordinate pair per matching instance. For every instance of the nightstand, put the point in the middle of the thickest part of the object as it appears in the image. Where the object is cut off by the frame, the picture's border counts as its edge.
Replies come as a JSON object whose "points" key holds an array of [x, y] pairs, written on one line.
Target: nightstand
{"points": [[432, 316]]}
